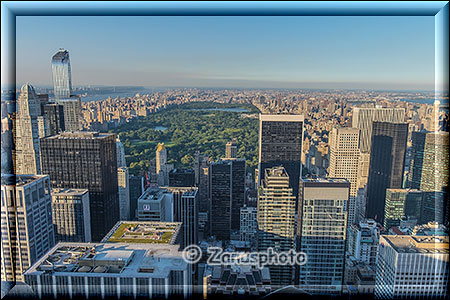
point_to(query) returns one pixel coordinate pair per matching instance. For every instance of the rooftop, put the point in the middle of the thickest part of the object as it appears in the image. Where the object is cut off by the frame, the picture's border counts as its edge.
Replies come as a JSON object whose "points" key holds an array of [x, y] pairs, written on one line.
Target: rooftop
{"points": [[281, 117], [143, 232], [20, 180], [80, 135], [417, 244], [325, 180], [97, 259], [69, 192]]}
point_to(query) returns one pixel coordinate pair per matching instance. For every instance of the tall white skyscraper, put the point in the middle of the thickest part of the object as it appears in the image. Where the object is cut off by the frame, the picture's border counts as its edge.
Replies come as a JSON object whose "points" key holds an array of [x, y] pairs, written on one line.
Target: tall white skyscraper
{"points": [[124, 193], [27, 228], [364, 116], [28, 160], [321, 233], [121, 162], [62, 76], [412, 267], [344, 161]]}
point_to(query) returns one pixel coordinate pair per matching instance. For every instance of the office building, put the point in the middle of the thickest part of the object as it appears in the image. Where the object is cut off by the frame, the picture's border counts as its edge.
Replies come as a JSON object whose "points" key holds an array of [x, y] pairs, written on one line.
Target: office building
{"points": [[71, 215], [121, 162], [182, 177], [237, 190], [62, 76], [124, 193], [116, 270], [249, 224], [434, 207], [363, 170], [220, 183], [386, 170], [185, 210], [26, 139], [280, 144], [362, 242], [412, 267], [276, 220], [55, 116], [72, 112], [27, 229], [231, 149], [344, 162], [86, 160], [136, 190], [435, 166], [363, 118], [401, 203], [155, 204], [162, 167], [321, 234]]}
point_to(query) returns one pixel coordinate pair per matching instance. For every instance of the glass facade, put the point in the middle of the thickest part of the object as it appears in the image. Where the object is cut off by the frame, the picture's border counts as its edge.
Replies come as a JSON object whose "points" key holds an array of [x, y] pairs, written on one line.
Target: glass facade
{"points": [[62, 76]]}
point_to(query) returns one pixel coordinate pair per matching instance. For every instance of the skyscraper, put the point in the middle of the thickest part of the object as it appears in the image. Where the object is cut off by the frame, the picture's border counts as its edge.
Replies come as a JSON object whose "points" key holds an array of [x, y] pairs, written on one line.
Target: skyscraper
{"points": [[276, 219], [28, 158], [237, 190], [220, 197], [435, 162], [231, 149], [62, 76], [185, 211], [136, 190], [387, 158], [121, 162], [363, 117], [227, 196], [71, 215], [181, 177], [344, 161], [72, 112], [55, 116], [86, 160], [162, 167], [280, 144], [124, 193], [27, 228], [321, 233]]}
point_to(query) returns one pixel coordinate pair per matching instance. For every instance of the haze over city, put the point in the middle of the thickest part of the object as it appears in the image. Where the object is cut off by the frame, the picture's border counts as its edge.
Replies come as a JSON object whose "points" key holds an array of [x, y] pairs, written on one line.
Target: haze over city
{"points": [[383, 53]]}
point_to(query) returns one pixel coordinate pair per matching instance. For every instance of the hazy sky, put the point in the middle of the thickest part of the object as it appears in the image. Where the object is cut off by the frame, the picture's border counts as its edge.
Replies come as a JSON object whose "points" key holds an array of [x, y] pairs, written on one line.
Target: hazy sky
{"points": [[274, 52]]}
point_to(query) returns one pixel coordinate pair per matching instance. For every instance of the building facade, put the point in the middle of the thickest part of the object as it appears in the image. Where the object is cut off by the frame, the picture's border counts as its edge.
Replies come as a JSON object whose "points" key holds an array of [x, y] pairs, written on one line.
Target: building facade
{"points": [[124, 193], [26, 139], [86, 160], [249, 224], [321, 234], [344, 162], [27, 228], [412, 267], [276, 220], [280, 144], [62, 75], [387, 159], [71, 215], [363, 118]]}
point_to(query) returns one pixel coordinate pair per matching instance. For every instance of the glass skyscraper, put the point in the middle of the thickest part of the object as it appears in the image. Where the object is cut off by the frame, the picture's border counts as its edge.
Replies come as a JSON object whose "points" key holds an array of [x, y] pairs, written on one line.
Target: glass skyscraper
{"points": [[62, 76]]}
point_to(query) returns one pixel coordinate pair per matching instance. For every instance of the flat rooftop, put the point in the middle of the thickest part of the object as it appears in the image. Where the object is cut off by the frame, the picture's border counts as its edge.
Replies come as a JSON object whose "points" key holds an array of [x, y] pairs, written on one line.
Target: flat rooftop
{"points": [[143, 232], [80, 135], [418, 244], [325, 180], [109, 260], [281, 117], [20, 180], [69, 192], [153, 194]]}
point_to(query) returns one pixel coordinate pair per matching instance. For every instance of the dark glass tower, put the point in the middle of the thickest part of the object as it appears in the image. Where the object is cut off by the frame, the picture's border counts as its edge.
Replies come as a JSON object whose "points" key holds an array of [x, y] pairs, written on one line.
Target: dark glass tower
{"points": [[280, 144], [86, 160], [55, 116], [387, 161], [182, 177], [220, 199]]}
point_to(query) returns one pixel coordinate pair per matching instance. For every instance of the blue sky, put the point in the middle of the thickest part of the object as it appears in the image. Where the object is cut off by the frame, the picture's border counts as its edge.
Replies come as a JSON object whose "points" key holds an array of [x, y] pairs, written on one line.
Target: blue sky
{"points": [[274, 52]]}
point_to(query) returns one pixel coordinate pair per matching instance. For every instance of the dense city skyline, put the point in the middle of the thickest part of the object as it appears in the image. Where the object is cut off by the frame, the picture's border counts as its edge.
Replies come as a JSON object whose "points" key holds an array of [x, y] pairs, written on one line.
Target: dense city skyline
{"points": [[387, 53]]}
